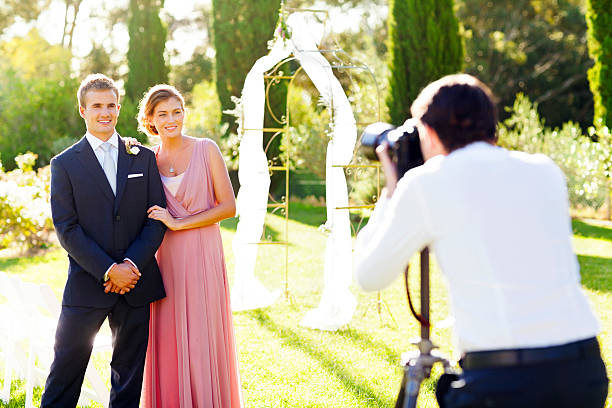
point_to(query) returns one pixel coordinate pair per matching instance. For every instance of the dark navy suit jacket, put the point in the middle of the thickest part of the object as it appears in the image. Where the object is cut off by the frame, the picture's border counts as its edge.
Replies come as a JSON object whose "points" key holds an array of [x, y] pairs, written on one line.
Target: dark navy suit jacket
{"points": [[97, 228]]}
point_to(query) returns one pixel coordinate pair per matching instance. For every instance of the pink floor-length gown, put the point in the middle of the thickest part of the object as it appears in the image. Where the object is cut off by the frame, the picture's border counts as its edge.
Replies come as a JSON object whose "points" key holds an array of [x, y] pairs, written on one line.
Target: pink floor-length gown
{"points": [[191, 357]]}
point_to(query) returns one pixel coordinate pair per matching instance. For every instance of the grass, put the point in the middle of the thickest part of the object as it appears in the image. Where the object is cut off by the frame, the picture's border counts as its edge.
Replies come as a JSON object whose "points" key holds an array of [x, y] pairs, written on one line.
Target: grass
{"points": [[285, 365]]}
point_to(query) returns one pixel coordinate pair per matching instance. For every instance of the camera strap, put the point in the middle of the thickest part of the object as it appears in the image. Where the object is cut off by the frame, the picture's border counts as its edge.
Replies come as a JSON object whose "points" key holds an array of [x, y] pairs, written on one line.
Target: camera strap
{"points": [[417, 316]]}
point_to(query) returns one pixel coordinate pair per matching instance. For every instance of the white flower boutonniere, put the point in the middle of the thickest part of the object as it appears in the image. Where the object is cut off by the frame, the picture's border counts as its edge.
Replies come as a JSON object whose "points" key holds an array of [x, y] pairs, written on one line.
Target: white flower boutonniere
{"points": [[131, 145]]}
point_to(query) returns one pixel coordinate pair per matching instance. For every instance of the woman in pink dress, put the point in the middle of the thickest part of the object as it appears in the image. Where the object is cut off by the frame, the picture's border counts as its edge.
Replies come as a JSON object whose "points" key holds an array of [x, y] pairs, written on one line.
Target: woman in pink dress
{"points": [[191, 358]]}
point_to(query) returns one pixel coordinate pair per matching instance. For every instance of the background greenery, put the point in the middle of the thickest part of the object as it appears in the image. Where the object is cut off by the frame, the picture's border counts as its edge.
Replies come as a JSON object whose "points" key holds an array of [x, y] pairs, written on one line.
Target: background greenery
{"points": [[599, 21], [430, 49]]}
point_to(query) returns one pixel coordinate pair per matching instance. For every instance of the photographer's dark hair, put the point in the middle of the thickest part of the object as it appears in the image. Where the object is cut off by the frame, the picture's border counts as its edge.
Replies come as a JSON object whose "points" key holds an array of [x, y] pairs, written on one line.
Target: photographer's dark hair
{"points": [[461, 110]]}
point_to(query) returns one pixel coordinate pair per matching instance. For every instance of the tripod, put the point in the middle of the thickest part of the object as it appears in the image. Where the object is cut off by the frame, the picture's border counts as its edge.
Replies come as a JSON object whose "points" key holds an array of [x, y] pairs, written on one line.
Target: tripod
{"points": [[418, 366]]}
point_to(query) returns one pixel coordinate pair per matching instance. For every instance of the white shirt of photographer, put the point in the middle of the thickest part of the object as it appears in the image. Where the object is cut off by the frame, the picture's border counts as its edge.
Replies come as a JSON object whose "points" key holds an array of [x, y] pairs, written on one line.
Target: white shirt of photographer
{"points": [[498, 223]]}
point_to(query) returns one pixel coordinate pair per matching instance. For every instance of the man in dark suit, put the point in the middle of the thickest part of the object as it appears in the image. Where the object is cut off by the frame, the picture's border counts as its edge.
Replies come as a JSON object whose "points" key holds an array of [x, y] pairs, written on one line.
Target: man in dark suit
{"points": [[100, 194]]}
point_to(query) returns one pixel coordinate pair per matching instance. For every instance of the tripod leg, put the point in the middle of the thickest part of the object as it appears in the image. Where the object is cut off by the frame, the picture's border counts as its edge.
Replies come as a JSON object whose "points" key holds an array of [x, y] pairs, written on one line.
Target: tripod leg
{"points": [[402, 392], [411, 383], [415, 377]]}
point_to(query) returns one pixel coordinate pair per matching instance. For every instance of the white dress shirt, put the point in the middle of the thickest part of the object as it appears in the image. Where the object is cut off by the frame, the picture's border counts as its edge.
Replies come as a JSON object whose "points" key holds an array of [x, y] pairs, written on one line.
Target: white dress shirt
{"points": [[96, 144], [498, 223]]}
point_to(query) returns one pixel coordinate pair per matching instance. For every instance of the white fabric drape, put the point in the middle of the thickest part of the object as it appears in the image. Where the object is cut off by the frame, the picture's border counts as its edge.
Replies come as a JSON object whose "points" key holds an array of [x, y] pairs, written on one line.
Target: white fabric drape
{"points": [[337, 303], [251, 204]]}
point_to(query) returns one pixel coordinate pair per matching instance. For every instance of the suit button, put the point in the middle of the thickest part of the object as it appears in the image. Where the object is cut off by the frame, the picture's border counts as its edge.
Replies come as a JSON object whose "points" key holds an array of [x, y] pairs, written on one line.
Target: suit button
{"points": [[118, 218]]}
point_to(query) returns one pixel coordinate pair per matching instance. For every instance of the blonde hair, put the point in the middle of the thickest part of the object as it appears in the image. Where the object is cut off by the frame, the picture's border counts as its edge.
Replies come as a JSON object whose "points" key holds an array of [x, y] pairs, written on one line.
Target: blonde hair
{"points": [[154, 96], [98, 82]]}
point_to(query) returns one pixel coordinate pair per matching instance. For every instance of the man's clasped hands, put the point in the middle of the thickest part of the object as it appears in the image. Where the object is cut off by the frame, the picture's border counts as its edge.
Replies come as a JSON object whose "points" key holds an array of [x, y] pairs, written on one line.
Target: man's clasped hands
{"points": [[122, 278]]}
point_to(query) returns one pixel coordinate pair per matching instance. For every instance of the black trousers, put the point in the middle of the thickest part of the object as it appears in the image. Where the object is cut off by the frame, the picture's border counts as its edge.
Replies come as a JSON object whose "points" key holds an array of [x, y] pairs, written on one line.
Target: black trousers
{"points": [[573, 383], [76, 330]]}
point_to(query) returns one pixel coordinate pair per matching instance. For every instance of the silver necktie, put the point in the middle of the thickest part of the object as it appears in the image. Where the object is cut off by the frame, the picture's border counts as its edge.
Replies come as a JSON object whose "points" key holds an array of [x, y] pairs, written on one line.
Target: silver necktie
{"points": [[109, 166]]}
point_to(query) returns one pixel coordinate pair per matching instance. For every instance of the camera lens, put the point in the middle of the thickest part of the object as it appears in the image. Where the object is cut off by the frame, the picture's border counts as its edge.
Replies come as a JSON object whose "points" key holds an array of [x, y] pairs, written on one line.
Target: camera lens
{"points": [[404, 144], [373, 135]]}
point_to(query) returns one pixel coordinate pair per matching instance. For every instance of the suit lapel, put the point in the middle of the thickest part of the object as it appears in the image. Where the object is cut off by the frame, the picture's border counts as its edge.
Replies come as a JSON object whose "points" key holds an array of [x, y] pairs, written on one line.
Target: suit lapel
{"points": [[89, 161], [124, 163]]}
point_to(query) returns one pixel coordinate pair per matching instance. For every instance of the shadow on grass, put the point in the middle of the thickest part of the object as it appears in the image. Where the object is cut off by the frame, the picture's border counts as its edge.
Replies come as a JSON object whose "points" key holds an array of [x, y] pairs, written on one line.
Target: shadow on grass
{"points": [[6, 263], [307, 214], [366, 343], [358, 388], [583, 229], [269, 233], [299, 212], [229, 224], [595, 272]]}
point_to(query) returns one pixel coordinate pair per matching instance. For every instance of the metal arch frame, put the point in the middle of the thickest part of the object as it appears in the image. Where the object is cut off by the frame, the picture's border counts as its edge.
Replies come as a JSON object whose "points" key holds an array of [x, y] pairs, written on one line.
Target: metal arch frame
{"points": [[273, 77]]}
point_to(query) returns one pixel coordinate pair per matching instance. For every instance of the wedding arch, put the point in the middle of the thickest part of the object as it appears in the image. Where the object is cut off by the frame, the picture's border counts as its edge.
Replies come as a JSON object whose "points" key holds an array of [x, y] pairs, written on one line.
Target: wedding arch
{"points": [[297, 39]]}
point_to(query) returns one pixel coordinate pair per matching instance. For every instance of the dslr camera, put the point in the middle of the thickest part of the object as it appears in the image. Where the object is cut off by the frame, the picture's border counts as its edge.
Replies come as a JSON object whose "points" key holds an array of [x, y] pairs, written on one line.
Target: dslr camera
{"points": [[403, 141]]}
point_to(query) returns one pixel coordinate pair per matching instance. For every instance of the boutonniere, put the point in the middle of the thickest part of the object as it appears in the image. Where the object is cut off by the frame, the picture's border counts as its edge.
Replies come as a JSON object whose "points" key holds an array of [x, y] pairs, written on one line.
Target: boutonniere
{"points": [[131, 145]]}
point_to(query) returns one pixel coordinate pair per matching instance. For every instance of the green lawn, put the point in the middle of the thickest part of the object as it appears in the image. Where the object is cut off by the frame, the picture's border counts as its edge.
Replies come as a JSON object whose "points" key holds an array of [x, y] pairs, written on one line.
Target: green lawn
{"points": [[285, 365]]}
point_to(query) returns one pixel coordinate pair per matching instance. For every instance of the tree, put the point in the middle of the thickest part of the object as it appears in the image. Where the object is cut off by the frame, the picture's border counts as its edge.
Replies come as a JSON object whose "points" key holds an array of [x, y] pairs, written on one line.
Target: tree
{"points": [[99, 60], [37, 98], [32, 56], [599, 21], [70, 21], [241, 29], [187, 75], [534, 47], [424, 44], [15, 10], [146, 63]]}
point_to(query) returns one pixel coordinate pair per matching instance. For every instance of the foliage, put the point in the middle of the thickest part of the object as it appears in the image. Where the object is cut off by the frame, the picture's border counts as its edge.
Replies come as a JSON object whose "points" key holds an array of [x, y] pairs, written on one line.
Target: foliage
{"points": [[145, 56], [310, 132], [586, 163], [37, 99], [99, 60], [193, 72], [204, 112], [33, 57], [25, 214], [126, 123], [599, 21], [12, 11], [424, 45], [146, 62], [537, 47], [333, 3], [242, 29], [71, 13]]}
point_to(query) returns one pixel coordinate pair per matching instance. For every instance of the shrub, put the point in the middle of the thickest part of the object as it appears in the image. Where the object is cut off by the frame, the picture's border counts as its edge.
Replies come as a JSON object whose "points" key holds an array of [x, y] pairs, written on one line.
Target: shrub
{"points": [[25, 214], [584, 159]]}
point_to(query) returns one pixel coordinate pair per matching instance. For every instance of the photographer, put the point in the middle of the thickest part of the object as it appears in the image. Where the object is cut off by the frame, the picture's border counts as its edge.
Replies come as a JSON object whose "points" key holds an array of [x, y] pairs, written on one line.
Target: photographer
{"points": [[499, 225]]}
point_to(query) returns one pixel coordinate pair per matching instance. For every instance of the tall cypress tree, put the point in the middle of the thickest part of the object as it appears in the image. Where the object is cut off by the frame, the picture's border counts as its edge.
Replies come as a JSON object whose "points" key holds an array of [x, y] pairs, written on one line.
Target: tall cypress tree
{"points": [[146, 63], [242, 29], [599, 23], [424, 44], [145, 55]]}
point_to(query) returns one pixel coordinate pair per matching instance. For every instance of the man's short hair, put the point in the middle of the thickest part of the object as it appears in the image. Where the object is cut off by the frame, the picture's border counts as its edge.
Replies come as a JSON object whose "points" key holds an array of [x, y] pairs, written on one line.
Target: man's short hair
{"points": [[98, 82], [460, 108]]}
